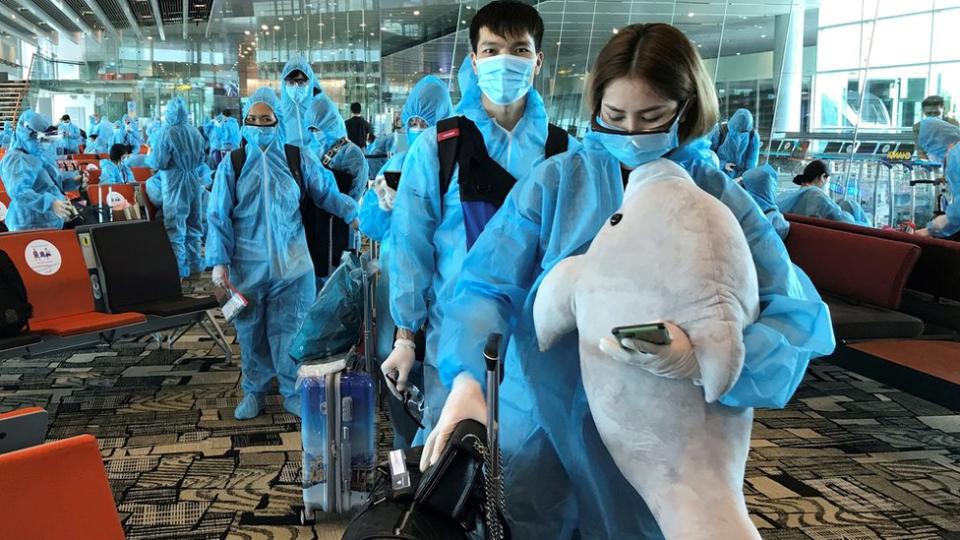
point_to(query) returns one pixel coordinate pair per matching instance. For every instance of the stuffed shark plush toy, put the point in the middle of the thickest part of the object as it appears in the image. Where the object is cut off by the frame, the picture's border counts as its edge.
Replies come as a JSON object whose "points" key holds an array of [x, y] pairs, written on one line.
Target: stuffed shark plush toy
{"points": [[675, 254]]}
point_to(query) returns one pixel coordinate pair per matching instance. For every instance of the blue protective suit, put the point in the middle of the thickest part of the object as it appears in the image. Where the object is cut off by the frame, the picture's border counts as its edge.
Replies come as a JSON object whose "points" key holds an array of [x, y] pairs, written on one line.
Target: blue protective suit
{"points": [[812, 201], [129, 137], [111, 173], [322, 114], [104, 132], [6, 136], [761, 184], [559, 475], [295, 112], [70, 138], [741, 146], [255, 228], [379, 151], [853, 208], [940, 140], [31, 177], [427, 231], [177, 156], [153, 128]]}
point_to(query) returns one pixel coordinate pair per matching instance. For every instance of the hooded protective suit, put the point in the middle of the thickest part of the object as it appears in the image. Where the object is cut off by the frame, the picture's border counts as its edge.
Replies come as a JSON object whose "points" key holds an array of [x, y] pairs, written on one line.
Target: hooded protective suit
{"points": [[812, 201], [294, 104], [254, 228], [70, 138], [31, 177], [177, 155], [128, 134], [761, 184], [104, 132], [939, 139], [559, 475], [740, 147], [427, 231], [6, 136], [111, 173]]}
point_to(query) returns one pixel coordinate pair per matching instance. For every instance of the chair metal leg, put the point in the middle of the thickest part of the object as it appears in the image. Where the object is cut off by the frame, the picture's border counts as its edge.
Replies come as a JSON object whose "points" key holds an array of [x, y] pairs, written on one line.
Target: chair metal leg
{"points": [[218, 336]]}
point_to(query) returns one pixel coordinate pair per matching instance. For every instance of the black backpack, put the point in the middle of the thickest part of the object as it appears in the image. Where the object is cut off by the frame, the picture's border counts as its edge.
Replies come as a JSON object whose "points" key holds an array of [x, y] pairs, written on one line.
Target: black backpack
{"points": [[15, 310], [484, 183]]}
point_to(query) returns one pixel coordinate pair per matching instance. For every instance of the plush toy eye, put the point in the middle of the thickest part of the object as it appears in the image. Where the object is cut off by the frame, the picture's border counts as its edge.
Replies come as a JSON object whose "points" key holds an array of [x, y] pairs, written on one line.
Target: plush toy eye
{"points": [[614, 219]]}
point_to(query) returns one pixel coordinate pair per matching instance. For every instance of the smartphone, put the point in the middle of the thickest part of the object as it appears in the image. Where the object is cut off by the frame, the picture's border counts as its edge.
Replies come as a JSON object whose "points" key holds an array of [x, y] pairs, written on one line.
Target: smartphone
{"points": [[392, 179], [655, 333]]}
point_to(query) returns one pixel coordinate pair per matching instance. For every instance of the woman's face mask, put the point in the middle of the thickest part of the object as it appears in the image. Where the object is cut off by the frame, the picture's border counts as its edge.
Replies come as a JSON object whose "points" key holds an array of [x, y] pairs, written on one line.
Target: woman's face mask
{"points": [[262, 136], [413, 133], [298, 92]]}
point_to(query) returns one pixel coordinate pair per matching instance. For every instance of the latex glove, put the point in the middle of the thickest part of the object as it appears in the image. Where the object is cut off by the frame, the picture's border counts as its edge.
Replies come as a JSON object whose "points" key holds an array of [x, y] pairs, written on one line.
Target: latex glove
{"points": [[398, 365], [386, 195], [465, 402], [221, 276], [674, 361], [62, 209]]}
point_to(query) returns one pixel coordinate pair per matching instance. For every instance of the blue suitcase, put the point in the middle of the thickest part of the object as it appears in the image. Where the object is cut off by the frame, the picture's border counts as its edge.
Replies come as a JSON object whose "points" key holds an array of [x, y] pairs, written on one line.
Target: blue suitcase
{"points": [[339, 438]]}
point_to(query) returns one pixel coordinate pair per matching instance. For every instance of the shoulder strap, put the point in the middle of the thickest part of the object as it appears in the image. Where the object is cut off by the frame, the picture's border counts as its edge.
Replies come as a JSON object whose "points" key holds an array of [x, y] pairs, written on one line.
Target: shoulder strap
{"points": [[237, 158], [557, 140], [724, 129], [292, 154], [448, 142], [333, 151]]}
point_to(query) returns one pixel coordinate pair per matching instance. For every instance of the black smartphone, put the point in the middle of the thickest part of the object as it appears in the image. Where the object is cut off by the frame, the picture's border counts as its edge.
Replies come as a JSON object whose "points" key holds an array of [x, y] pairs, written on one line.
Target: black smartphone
{"points": [[392, 179], [655, 333]]}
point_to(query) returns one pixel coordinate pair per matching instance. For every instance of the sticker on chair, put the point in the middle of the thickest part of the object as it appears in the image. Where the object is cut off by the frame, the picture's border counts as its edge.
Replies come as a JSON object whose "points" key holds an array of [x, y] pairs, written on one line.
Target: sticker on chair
{"points": [[43, 257], [3, 212], [116, 199]]}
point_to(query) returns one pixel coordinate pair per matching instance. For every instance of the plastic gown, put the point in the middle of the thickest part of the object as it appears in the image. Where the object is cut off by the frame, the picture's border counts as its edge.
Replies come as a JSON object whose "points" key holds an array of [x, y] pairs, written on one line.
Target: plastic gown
{"points": [[741, 147], [111, 173], [254, 227], [104, 132], [812, 201], [31, 178], [229, 134], [71, 139], [322, 114], [427, 229], [940, 140], [559, 475], [295, 112], [177, 155], [6, 136], [129, 137], [761, 184]]}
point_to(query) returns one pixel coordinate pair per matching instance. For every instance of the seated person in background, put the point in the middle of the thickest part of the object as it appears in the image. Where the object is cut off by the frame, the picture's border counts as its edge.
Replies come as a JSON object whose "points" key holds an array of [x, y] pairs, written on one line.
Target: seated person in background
{"points": [[736, 143], [812, 199], [114, 170], [932, 108], [939, 139], [6, 136], [761, 184]]}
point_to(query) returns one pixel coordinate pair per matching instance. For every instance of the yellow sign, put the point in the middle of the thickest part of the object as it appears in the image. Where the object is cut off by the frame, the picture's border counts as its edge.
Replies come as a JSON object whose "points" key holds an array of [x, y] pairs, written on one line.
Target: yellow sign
{"points": [[183, 87], [899, 156]]}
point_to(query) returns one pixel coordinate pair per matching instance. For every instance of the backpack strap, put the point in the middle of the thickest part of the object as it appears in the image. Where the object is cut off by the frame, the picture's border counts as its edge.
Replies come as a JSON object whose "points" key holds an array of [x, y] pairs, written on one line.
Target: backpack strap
{"points": [[237, 158], [292, 154], [724, 128], [448, 146], [333, 151], [557, 141]]}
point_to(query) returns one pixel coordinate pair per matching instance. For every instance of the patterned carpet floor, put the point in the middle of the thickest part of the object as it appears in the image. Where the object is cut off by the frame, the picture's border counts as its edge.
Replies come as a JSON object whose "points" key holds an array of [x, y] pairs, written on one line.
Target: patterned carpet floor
{"points": [[848, 459]]}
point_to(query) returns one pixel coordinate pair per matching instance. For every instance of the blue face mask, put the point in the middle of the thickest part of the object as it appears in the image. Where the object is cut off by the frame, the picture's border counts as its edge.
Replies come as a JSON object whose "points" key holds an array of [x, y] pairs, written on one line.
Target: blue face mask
{"points": [[635, 150], [261, 136], [505, 78], [412, 134], [298, 92]]}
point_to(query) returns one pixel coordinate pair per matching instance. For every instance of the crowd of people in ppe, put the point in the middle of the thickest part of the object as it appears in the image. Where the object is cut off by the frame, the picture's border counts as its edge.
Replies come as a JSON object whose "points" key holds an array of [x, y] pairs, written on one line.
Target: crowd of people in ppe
{"points": [[488, 197]]}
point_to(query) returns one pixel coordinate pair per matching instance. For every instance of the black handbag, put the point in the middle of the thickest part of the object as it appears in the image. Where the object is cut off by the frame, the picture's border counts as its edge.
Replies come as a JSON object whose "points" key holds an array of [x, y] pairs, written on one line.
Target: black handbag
{"points": [[456, 496]]}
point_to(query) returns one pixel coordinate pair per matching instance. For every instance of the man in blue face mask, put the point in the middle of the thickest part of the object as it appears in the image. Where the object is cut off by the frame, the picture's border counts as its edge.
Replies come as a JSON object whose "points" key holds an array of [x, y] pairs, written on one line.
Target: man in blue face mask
{"points": [[256, 244], [455, 177], [297, 87]]}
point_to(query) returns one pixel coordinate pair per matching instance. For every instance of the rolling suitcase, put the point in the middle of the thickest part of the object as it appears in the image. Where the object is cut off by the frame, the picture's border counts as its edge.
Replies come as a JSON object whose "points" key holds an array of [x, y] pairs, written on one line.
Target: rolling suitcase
{"points": [[339, 434]]}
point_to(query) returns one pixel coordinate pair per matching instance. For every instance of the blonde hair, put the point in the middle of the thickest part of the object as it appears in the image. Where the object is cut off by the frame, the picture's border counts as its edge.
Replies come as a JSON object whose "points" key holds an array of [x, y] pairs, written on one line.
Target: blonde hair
{"points": [[665, 59]]}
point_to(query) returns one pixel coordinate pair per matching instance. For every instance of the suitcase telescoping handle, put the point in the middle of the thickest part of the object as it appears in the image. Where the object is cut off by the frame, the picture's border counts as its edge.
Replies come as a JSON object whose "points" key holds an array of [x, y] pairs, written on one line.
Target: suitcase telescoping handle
{"points": [[491, 355]]}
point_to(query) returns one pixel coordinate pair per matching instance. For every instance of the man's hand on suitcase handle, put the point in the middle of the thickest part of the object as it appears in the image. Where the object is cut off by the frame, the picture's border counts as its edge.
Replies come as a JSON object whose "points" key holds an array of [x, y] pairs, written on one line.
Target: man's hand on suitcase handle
{"points": [[465, 402], [398, 365]]}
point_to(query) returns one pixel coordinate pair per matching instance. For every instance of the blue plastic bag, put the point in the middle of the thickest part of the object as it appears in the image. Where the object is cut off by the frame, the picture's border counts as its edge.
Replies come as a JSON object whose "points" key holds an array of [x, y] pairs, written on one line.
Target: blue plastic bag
{"points": [[333, 324]]}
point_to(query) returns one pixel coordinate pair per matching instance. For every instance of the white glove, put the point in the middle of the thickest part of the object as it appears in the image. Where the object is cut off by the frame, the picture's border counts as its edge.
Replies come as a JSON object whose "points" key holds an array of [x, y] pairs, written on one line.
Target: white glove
{"points": [[465, 402], [62, 209], [386, 195], [221, 276], [674, 361], [398, 365]]}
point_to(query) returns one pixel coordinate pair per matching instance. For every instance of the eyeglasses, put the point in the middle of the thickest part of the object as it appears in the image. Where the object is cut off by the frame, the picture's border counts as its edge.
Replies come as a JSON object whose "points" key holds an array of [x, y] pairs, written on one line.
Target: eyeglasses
{"points": [[264, 120], [595, 126]]}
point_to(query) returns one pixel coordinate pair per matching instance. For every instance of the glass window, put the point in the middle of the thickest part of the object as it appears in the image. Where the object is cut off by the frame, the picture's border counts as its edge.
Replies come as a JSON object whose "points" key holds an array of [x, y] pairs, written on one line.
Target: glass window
{"points": [[946, 45], [913, 46], [842, 47]]}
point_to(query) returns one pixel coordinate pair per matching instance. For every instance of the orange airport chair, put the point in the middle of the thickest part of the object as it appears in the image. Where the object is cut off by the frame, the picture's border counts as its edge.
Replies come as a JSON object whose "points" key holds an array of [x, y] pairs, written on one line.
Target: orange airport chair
{"points": [[57, 490], [93, 177], [140, 174]]}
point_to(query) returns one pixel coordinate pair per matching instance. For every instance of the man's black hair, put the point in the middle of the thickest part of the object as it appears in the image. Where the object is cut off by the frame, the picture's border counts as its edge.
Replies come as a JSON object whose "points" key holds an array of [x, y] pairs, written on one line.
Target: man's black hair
{"points": [[507, 18], [117, 151], [294, 75], [933, 101], [355, 108], [227, 112], [65, 117]]}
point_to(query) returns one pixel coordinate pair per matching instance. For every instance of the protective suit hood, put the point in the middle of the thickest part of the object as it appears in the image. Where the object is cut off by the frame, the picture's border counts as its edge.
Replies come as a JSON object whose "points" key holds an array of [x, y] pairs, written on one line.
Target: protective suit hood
{"points": [[323, 115], [741, 121], [297, 63], [468, 82], [762, 183], [429, 100], [176, 113], [269, 97], [30, 122], [936, 136]]}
